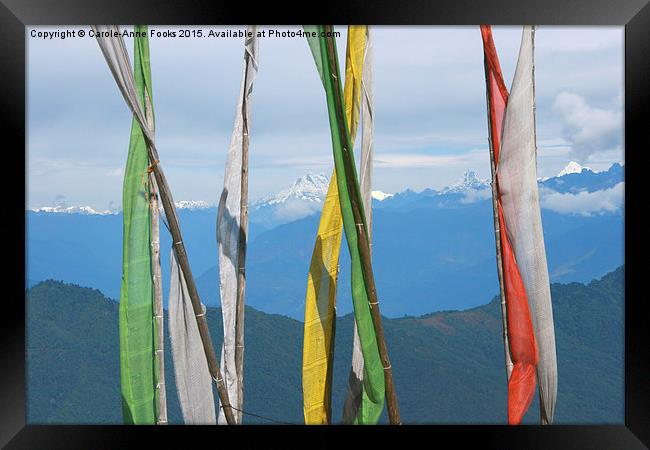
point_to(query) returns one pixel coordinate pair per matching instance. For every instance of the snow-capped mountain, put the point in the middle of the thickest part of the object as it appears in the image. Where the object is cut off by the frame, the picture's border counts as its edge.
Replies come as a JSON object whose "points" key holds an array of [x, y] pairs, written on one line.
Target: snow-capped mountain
{"points": [[193, 204], [310, 188], [60, 209], [380, 196], [89, 210], [573, 167], [574, 179], [449, 235], [576, 190], [303, 198], [468, 182], [307, 194]]}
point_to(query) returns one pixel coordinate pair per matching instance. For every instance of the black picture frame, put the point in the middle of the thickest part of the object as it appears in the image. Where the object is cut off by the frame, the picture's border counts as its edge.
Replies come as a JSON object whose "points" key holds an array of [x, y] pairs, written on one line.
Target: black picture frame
{"points": [[15, 15]]}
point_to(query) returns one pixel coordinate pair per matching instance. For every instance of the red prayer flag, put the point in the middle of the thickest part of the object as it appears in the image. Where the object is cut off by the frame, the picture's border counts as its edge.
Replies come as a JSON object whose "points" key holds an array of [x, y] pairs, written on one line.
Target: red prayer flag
{"points": [[521, 338]]}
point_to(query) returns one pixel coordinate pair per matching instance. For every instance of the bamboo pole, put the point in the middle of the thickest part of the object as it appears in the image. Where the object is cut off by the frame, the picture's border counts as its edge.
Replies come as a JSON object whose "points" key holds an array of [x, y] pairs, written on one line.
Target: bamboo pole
{"points": [[497, 227], [161, 398], [181, 257], [364, 247], [241, 252], [158, 306], [544, 419]]}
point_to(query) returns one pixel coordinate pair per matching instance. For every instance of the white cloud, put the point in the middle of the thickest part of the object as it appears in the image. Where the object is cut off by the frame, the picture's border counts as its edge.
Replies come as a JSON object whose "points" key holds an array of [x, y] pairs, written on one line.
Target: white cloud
{"points": [[296, 209], [474, 196], [400, 160], [584, 203], [588, 129], [460, 160], [44, 166]]}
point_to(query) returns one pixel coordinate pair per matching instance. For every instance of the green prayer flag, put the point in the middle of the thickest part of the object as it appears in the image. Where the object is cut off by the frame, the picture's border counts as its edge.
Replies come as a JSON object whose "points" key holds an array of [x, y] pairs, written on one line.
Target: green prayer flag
{"points": [[137, 329], [348, 187]]}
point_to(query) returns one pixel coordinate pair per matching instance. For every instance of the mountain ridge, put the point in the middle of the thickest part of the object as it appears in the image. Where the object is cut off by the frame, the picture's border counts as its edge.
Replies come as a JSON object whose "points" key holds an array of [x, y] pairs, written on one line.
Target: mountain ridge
{"points": [[448, 366], [313, 187], [422, 243]]}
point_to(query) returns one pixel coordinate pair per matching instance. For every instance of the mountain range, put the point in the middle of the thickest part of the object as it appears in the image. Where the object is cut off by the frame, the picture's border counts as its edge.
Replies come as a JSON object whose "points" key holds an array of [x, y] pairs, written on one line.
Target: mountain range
{"points": [[448, 366], [307, 194], [434, 248]]}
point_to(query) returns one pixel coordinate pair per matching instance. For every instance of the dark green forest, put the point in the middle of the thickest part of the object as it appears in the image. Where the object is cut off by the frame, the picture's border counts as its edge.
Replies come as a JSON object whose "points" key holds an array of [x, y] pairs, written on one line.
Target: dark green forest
{"points": [[448, 365]]}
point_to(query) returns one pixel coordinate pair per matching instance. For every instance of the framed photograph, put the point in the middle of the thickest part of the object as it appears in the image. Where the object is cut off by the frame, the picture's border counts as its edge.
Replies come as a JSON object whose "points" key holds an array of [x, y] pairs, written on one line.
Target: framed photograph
{"points": [[417, 221]]}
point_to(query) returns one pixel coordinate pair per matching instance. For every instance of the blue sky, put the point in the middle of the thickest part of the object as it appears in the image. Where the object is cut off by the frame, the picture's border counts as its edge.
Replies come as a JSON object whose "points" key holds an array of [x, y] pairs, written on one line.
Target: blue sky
{"points": [[430, 123]]}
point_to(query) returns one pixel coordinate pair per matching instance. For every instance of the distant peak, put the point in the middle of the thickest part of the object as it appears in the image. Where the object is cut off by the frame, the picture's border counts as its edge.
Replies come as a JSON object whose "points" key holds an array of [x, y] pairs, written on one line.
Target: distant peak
{"points": [[192, 204], [469, 181], [573, 167], [380, 196], [310, 187], [470, 176], [311, 182], [62, 209]]}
